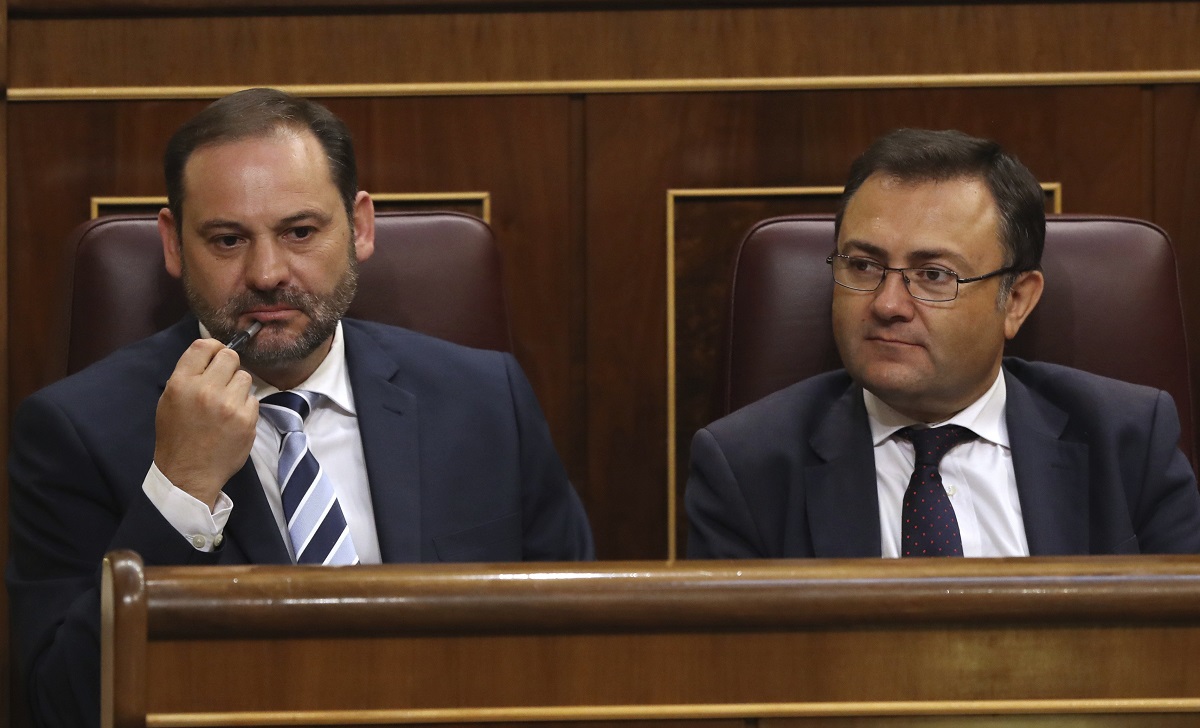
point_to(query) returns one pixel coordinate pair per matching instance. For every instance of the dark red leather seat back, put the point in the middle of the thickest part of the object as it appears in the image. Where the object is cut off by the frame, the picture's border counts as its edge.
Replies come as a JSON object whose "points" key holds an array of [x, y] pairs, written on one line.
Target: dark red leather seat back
{"points": [[434, 272]]}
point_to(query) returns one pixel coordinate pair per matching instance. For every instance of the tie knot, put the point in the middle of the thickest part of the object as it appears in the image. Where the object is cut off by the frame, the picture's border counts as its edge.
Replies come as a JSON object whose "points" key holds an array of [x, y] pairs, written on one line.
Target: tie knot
{"points": [[931, 443], [287, 410]]}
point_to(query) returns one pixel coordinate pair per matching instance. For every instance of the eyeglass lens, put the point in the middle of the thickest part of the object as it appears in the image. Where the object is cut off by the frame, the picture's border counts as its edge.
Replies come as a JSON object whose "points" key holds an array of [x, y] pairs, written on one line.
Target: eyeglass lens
{"points": [[929, 284]]}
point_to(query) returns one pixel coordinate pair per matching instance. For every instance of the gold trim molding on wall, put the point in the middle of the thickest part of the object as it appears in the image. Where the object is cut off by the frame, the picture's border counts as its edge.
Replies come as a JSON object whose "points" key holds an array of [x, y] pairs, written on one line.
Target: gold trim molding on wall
{"points": [[1053, 189], [603, 86], [97, 203], [680, 712], [484, 199]]}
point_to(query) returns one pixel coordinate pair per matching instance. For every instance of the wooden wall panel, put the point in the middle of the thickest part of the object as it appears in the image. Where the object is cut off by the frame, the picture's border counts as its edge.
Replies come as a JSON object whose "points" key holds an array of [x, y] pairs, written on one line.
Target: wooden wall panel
{"points": [[754, 42], [60, 155], [1176, 157]]}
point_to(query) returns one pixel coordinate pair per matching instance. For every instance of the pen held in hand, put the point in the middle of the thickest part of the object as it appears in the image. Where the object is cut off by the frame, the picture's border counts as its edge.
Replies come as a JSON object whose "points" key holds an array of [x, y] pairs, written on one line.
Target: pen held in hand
{"points": [[241, 338]]}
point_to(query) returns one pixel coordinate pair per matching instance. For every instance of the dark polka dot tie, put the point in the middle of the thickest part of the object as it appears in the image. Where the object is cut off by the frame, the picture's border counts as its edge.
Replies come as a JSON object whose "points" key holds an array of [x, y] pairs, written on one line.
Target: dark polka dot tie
{"points": [[930, 527]]}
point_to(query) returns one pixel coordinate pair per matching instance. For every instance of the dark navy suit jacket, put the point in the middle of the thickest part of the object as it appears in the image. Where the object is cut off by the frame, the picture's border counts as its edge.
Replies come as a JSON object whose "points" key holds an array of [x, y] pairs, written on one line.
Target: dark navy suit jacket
{"points": [[460, 463], [1097, 465]]}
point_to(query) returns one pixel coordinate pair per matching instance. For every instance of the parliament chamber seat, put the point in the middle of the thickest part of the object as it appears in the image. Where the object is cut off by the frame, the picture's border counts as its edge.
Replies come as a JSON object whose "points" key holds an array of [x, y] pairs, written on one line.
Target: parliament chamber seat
{"points": [[434, 272], [1111, 306]]}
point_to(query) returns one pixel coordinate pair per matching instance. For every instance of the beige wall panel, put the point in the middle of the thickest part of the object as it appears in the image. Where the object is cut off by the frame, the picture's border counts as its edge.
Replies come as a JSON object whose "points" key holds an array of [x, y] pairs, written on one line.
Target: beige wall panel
{"points": [[632, 44]]}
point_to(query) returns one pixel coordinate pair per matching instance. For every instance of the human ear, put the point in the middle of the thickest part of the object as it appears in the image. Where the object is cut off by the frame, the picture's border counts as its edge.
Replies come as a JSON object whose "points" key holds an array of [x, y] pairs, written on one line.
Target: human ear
{"points": [[364, 226], [168, 232], [1022, 299]]}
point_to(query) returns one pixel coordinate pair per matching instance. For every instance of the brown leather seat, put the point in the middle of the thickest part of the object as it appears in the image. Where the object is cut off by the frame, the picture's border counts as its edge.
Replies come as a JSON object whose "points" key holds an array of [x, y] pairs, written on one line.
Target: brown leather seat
{"points": [[1111, 306], [434, 272]]}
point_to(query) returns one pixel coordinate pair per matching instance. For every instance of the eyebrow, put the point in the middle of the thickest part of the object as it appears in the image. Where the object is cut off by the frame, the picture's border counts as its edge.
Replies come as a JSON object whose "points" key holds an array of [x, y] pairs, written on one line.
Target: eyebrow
{"points": [[209, 227], [321, 218], [917, 257]]}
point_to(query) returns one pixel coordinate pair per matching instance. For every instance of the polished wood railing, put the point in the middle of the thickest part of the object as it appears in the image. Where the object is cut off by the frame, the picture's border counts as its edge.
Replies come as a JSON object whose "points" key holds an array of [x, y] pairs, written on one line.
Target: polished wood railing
{"points": [[1106, 641]]}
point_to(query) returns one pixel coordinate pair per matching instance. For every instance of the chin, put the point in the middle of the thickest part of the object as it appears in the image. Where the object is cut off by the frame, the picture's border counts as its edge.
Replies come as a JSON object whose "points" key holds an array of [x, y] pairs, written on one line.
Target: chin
{"points": [[892, 381]]}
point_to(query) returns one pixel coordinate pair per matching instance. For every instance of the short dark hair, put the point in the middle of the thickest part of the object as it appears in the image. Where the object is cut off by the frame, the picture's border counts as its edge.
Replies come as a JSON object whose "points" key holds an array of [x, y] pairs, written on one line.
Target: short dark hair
{"points": [[254, 113], [920, 155]]}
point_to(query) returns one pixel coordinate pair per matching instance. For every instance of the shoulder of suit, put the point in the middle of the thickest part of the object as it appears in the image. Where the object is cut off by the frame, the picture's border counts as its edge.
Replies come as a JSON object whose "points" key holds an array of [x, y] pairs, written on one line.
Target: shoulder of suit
{"points": [[145, 359], [388, 334], [813, 395], [128, 375], [1078, 390], [410, 347]]}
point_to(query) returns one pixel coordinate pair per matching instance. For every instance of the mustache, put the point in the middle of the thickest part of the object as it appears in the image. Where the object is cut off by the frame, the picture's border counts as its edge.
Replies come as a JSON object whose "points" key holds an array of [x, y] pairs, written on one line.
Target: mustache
{"points": [[304, 302]]}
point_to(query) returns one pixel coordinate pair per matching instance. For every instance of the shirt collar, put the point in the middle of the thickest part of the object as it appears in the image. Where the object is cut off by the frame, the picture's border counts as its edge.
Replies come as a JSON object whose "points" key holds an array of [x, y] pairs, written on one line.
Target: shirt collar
{"points": [[984, 416], [331, 377]]}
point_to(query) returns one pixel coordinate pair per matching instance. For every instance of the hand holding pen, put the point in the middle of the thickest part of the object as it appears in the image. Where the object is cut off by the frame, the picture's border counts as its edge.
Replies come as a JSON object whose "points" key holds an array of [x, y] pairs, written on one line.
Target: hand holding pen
{"points": [[206, 417]]}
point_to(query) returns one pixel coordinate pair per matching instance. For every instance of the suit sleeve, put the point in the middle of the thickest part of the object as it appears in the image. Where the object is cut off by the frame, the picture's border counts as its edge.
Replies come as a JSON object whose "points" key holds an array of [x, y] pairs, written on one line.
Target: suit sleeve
{"points": [[65, 513], [720, 525], [1167, 515], [554, 524]]}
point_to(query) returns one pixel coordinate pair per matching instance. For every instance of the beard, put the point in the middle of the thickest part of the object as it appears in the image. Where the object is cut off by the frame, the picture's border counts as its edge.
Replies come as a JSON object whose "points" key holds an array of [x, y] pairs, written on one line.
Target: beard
{"points": [[323, 312]]}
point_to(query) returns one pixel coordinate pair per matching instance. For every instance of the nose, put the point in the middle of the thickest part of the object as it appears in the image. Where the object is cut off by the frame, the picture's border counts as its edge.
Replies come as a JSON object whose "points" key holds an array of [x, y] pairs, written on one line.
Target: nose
{"points": [[892, 300], [266, 265]]}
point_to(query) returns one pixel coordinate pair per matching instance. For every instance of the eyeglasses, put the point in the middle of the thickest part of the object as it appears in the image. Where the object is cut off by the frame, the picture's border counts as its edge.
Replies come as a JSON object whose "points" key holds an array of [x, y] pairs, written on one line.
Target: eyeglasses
{"points": [[925, 284]]}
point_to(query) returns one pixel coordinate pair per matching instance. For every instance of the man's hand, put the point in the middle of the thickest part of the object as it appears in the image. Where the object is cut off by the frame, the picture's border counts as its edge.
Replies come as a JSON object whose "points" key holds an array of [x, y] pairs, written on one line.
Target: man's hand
{"points": [[204, 427]]}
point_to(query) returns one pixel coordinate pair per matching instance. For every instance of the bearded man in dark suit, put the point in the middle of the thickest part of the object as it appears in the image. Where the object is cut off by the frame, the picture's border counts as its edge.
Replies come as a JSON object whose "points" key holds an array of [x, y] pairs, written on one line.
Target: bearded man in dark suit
{"points": [[427, 451]]}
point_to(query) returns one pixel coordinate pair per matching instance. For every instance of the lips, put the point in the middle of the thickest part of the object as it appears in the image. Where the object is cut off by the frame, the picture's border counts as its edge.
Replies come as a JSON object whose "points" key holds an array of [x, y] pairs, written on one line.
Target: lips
{"points": [[267, 314], [889, 340]]}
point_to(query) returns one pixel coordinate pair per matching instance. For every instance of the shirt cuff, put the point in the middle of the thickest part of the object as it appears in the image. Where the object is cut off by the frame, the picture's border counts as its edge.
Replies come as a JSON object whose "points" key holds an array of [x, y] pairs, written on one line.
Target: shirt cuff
{"points": [[190, 516]]}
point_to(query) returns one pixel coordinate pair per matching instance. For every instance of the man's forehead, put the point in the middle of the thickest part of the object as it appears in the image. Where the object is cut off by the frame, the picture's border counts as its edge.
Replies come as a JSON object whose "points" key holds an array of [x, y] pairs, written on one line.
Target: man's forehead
{"points": [[926, 213], [278, 167], [973, 185], [281, 135]]}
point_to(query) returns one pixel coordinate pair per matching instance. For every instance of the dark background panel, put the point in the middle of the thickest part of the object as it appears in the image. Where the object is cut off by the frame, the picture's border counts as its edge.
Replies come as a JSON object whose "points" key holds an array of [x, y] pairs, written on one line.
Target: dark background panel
{"points": [[1176, 160], [516, 148], [708, 229], [385, 45], [60, 156]]}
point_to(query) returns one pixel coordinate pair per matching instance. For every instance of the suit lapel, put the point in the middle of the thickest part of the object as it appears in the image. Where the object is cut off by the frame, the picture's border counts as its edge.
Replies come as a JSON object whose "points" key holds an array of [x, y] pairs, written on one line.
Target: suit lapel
{"points": [[387, 423], [252, 528], [841, 492], [1052, 474]]}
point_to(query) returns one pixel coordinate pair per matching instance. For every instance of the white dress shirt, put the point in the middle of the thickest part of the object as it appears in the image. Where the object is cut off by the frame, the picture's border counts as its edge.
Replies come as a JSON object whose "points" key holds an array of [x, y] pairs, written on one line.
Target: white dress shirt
{"points": [[978, 476], [335, 441]]}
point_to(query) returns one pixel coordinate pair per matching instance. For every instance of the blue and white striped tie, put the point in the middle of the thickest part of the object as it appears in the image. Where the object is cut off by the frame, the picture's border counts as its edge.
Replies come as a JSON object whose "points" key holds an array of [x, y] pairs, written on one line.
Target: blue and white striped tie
{"points": [[314, 518]]}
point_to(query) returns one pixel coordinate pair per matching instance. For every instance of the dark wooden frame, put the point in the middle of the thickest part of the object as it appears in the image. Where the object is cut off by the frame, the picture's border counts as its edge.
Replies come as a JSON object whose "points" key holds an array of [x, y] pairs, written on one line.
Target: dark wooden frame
{"points": [[653, 641]]}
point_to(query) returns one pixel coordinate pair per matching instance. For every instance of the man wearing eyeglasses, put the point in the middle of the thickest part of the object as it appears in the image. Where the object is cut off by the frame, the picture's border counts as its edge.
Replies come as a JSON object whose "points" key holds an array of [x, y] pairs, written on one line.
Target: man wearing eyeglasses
{"points": [[929, 442]]}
